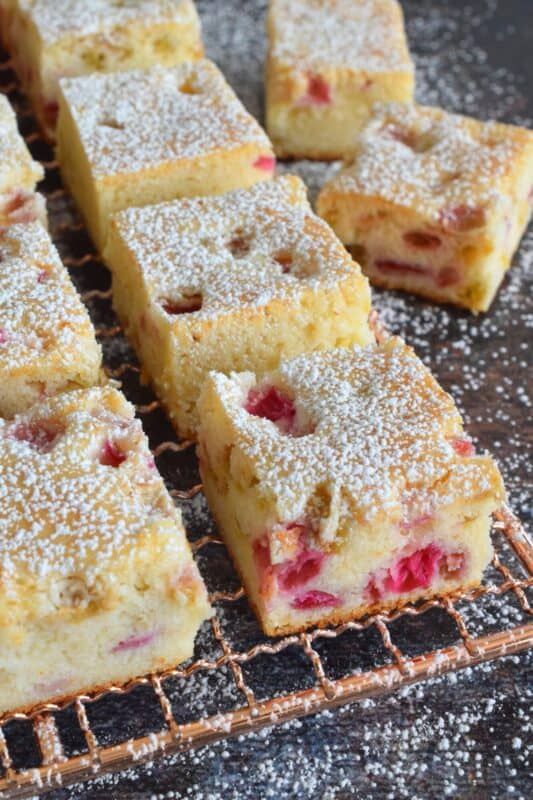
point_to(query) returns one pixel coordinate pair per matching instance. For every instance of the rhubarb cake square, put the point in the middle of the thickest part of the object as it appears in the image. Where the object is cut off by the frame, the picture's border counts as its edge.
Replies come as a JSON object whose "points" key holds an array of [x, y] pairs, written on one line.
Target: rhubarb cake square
{"points": [[47, 341], [97, 581], [328, 62], [434, 203], [19, 174], [51, 40], [343, 484], [234, 282], [135, 138]]}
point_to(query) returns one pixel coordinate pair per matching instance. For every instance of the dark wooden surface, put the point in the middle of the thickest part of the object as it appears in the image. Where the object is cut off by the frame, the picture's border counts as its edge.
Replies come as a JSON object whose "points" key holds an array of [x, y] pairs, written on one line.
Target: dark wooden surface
{"points": [[465, 736]]}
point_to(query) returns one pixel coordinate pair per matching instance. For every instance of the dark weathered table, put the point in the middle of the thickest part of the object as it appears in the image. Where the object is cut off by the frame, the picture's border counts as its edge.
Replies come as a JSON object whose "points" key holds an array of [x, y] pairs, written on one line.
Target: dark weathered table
{"points": [[462, 736]]}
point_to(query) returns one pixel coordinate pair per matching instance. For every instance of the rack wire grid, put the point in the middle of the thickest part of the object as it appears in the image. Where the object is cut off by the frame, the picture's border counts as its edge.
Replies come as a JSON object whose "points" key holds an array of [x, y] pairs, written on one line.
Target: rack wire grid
{"points": [[238, 680]]}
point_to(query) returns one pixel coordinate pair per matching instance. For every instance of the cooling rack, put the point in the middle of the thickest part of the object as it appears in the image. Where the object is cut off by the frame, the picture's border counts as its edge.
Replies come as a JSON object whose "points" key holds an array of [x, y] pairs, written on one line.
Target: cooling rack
{"points": [[259, 681]]}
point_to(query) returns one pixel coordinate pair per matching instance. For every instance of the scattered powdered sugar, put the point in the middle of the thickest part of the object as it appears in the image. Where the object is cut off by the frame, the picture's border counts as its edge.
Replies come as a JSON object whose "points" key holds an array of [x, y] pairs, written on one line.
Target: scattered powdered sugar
{"points": [[406, 746], [235, 251], [196, 516], [453, 67], [42, 319], [17, 168], [131, 121], [434, 162], [322, 35], [88, 17]]}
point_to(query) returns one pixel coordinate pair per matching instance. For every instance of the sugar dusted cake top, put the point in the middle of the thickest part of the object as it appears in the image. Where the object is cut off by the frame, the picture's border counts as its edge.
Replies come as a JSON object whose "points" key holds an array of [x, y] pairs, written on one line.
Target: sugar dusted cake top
{"points": [[240, 249], [445, 166], [41, 315], [326, 34], [129, 121], [78, 492], [61, 18], [17, 168], [376, 432]]}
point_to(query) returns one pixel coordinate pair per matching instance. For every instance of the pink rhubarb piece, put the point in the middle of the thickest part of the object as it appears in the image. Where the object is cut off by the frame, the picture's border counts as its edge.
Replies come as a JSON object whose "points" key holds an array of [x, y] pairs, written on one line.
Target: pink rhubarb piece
{"points": [[185, 305], [301, 570], [111, 455], [415, 571], [462, 218], [289, 575], [40, 434], [422, 240], [265, 163], [135, 642], [318, 92], [315, 599], [401, 268], [463, 447], [270, 403]]}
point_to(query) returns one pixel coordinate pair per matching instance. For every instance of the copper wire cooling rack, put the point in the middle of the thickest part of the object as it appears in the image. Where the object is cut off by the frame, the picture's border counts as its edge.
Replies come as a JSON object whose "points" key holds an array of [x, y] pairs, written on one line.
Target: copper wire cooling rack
{"points": [[304, 673]]}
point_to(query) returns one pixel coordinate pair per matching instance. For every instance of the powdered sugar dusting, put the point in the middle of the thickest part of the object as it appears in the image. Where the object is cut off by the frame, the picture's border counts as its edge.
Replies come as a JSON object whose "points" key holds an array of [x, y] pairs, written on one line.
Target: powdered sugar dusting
{"points": [[63, 512], [381, 428], [432, 161], [235, 251], [134, 120], [86, 17], [492, 406], [42, 318], [402, 747], [17, 168], [324, 35]]}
